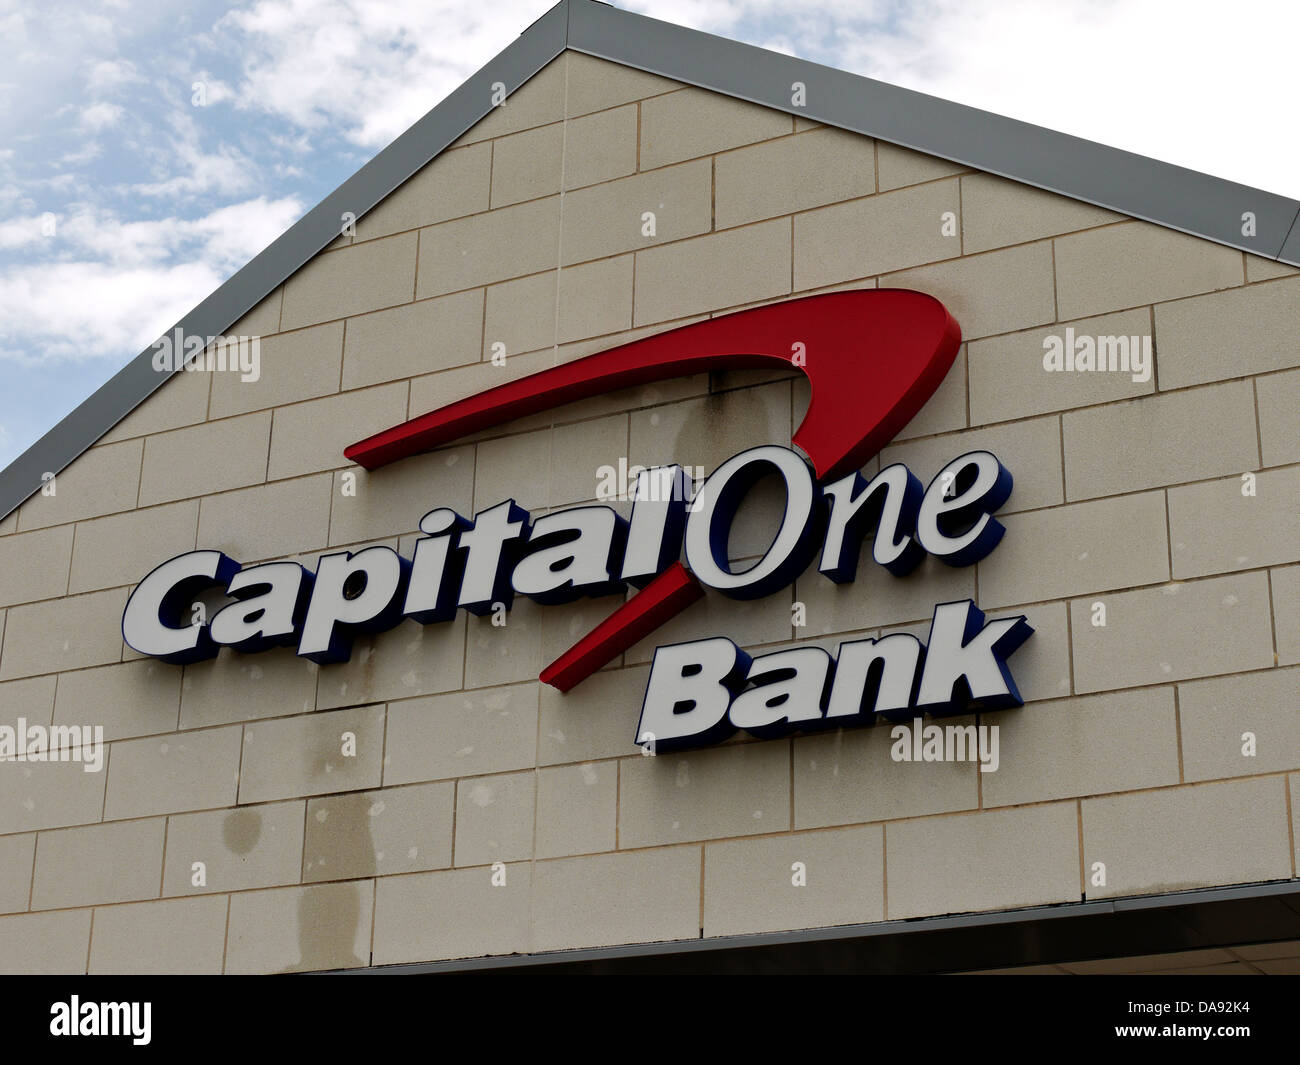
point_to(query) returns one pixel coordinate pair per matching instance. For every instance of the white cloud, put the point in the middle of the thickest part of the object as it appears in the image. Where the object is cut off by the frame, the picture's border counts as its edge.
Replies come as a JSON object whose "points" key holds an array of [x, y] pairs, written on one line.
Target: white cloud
{"points": [[21, 232], [100, 116], [80, 311], [108, 74], [118, 285], [368, 70], [193, 169], [234, 234], [227, 236]]}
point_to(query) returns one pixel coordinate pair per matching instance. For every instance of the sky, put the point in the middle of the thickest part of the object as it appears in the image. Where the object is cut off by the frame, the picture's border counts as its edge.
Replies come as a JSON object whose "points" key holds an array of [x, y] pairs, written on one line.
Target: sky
{"points": [[149, 149]]}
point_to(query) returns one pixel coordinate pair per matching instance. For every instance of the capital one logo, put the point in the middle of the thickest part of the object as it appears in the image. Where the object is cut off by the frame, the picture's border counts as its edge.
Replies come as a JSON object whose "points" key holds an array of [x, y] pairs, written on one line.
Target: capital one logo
{"points": [[872, 358]]}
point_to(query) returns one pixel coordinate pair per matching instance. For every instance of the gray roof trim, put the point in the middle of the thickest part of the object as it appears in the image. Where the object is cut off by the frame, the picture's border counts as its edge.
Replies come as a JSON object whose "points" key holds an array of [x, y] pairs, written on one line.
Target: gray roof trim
{"points": [[1144, 188], [1291, 249]]}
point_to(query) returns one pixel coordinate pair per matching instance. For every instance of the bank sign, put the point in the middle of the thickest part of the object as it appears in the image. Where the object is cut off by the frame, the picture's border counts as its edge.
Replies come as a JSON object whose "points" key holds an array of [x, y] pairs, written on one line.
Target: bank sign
{"points": [[872, 358]]}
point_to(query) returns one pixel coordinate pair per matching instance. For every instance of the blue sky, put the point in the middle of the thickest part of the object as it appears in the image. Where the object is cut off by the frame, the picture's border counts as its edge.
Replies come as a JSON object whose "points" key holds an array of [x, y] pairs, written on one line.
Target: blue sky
{"points": [[125, 199]]}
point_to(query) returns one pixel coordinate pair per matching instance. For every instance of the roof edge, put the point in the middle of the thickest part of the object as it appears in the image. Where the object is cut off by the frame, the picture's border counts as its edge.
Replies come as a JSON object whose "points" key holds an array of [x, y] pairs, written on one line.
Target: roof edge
{"points": [[1134, 185]]}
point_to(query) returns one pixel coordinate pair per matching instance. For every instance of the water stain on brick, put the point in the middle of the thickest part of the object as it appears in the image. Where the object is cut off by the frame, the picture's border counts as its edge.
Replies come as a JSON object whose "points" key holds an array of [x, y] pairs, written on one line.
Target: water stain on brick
{"points": [[241, 830]]}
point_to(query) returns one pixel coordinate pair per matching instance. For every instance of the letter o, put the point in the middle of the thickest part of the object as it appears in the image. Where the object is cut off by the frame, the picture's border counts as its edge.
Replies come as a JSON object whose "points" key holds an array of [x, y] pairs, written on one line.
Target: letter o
{"points": [[714, 509]]}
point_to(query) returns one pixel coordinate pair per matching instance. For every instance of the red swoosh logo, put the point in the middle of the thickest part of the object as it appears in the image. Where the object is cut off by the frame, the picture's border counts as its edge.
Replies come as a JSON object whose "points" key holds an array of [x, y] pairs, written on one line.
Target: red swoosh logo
{"points": [[872, 358]]}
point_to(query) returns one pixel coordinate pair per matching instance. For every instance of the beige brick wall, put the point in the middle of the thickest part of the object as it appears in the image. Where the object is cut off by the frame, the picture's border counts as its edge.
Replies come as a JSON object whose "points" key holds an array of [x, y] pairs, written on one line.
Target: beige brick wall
{"points": [[484, 813]]}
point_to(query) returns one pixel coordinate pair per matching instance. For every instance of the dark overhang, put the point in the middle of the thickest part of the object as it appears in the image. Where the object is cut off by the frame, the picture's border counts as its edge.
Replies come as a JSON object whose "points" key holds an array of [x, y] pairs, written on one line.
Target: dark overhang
{"points": [[1041, 935]]}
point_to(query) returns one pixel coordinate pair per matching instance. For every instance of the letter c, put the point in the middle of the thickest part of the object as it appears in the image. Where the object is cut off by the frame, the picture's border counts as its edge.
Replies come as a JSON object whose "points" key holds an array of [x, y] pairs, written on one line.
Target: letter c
{"points": [[153, 620]]}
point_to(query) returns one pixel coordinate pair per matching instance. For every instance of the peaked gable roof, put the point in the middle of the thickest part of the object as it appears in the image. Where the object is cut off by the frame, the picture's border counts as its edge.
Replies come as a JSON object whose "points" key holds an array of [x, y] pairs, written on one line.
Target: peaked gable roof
{"points": [[1131, 184]]}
